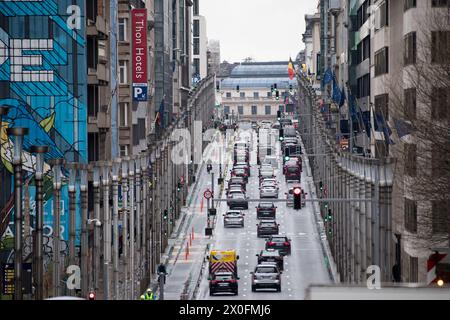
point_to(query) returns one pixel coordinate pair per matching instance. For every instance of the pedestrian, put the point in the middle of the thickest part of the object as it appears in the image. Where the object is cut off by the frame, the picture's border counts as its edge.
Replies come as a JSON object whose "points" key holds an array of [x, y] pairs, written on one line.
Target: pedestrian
{"points": [[162, 270]]}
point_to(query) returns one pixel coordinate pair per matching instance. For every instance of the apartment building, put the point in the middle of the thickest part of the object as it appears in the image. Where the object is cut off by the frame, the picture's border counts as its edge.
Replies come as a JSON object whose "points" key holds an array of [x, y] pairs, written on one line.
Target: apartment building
{"points": [[213, 57], [200, 43]]}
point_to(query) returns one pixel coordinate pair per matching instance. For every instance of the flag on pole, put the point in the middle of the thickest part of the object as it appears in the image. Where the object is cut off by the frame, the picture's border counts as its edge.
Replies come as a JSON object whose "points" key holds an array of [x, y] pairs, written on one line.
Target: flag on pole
{"points": [[291, 69], [160, 113], [383, 126], [337, 94], [327, 77], [403, 128]]}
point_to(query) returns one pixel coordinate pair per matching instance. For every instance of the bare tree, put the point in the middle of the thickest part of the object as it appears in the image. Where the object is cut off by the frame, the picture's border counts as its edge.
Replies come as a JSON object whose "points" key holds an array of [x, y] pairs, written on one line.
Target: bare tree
{"points": [[421, 98]]}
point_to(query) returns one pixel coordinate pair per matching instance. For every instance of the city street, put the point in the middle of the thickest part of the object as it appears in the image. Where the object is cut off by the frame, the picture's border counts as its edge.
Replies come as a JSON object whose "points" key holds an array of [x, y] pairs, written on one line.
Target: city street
{"points": [[305, 265]]}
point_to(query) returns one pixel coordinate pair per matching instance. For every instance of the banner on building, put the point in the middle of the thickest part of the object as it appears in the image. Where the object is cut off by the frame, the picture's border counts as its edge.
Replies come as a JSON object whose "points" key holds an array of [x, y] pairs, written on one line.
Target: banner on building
{"points": [[139, 56]]}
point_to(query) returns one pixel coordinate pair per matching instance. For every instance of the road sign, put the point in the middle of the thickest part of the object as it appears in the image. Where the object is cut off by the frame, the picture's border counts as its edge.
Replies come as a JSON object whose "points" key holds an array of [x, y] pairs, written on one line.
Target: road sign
{"points": [[207, 194]]}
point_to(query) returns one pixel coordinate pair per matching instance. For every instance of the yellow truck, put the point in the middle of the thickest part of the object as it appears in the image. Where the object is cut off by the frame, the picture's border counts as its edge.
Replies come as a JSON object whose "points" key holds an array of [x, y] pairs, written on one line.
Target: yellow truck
{"points": [[222, 260]]}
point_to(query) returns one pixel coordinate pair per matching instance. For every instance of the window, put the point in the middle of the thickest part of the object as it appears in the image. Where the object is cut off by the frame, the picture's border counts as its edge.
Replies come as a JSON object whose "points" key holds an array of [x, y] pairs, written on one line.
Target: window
{"points": [[410, 104], [381, 105], [123, 69], [226, 109], [196, 67], [440, 100], [440, 217], [92, 100], [91, 10], [242, 94], [256, 95], [196, 28], [196, 46], [269, 94], [124, 151], [363, 13], [123, 114], [228, 94], [92, 52], [440, 160], [410, 215], [439, 3], [123, 29], [93, 147], [268, 110], [410, 157], [413, 269], [196, 8], [382, 61], [254, 110], [384, 14], [440, 47], [408, 4], [366, 48], [241, 110], [410, 49], [364, 86]]}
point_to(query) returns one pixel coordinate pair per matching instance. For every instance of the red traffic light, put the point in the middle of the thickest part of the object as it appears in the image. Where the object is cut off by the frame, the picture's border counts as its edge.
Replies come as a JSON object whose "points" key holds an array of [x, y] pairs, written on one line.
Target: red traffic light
{"points": [[297, 190], [91, 296]]}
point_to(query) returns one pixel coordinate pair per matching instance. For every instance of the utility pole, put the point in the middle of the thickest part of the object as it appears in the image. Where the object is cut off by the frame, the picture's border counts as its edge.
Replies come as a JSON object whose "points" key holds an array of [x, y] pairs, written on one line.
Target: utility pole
{"points": [[106, 166], [72, 167], [96, 249], [212, 188], [138, 218]]}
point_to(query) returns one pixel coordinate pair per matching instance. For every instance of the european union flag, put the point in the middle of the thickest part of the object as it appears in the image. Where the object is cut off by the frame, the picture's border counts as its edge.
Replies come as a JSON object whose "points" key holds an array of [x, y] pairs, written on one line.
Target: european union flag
{"points": [[336, 92], [327, 77], [403, 128]]}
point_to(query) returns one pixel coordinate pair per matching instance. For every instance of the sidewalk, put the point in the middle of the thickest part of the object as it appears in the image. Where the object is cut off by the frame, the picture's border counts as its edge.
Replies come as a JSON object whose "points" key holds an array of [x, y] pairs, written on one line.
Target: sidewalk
{"points": [[184, 267]]}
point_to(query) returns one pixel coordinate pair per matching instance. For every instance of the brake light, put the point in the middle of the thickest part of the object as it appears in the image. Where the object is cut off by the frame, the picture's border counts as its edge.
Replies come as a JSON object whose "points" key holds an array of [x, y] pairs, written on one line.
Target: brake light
{"points": [[287, 243], [214, 281], [271, 243], [232, 281]]}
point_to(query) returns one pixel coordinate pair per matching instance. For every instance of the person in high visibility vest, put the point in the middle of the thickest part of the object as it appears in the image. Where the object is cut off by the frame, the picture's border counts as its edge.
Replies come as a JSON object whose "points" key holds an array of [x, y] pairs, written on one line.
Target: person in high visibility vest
{"points": [[149, 295]]}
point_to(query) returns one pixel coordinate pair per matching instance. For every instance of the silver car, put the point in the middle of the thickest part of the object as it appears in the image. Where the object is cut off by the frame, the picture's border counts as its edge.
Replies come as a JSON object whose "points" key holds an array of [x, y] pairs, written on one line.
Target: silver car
{"points": [[233, 218], [268, 192], [266, 276]]}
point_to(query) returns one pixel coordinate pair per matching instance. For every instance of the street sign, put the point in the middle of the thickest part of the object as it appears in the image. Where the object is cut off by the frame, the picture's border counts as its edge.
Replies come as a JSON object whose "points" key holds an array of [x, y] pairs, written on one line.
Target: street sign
{"points": [[207, 194]]}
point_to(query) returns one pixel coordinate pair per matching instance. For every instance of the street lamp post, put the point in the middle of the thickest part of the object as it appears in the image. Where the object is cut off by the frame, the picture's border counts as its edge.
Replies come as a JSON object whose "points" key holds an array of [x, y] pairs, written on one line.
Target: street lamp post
{"points": [[115, 194], [105, 167], [138, 176], [17, 134], [84, 235], [125, 223], [144, 242], [38, 243], [131, 173], [72, 167], [57, 177], [96, 249]]}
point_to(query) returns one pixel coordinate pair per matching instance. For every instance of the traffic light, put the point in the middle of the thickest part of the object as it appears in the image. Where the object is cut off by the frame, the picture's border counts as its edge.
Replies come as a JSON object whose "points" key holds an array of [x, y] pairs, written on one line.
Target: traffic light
{"points": [[330, 216], [271, 88], [290, 88], [275, 86], [165, 214], [217, 88], [91, 295], [321, 185], [237, 88], [326, 205], [297, 198], [279, 114], [277, 95], [281, 134], [287, 158], [179, 186]]}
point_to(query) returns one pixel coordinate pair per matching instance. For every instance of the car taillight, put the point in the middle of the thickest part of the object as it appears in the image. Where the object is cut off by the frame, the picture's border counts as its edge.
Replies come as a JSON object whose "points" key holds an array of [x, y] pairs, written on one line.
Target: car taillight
{"points": [[232, 281], [271, 243], [214, 281], [287, 243]]}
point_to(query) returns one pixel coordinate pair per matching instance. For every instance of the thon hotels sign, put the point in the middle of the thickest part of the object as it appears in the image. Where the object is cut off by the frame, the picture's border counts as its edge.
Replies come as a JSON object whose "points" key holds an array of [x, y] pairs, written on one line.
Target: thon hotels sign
{"points": [[139, 33]]}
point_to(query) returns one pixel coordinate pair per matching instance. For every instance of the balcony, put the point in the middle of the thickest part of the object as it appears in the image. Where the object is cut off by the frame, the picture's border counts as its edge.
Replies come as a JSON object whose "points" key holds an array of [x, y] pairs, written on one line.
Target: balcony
{"points": [[104, 118], [98, 76], [97, 28]]}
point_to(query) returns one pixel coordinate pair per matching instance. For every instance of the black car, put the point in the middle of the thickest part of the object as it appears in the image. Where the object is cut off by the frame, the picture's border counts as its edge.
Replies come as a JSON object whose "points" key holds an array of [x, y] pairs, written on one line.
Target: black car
{"points": [[223, 282], [271, 255], [266, 210], [237, 201], [267, 228], [280, 243]]}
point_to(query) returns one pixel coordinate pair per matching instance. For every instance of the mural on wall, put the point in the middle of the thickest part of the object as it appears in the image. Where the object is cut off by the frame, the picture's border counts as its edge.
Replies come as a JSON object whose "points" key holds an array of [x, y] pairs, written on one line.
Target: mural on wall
{"points": [[43, 82]]}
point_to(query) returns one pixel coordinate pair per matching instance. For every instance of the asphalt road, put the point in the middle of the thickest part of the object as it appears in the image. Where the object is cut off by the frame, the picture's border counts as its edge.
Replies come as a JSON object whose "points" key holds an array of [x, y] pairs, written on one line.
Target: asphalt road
{"points": [[306, 264]]}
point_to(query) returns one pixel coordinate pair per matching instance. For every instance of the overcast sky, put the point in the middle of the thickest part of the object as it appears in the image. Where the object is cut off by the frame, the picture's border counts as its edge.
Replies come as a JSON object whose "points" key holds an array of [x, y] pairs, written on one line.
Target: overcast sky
{"points": [[266, 30]]}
